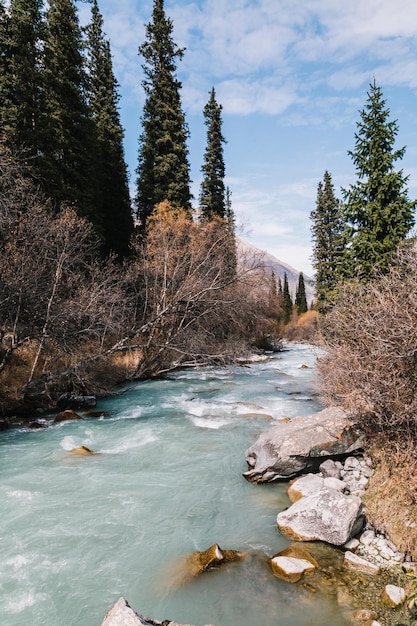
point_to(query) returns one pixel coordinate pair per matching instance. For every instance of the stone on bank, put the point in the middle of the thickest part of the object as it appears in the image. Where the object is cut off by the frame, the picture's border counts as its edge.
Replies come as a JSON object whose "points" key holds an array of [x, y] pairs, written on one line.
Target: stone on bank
{"points": [[302, 444]]}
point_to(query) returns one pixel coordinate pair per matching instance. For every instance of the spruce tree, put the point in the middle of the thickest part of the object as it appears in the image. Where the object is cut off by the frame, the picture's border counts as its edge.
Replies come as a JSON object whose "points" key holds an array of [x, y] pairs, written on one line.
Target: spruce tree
{"points": [[287, 302], [212, 191], [68, 133], [328, 245], [300, 295], [112, 191], [21, 87], [163, 168], [377, 210]]}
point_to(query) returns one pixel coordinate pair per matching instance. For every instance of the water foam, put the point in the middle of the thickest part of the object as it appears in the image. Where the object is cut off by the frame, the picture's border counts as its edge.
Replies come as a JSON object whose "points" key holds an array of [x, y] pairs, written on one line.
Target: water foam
{"points": [[142, 438]]}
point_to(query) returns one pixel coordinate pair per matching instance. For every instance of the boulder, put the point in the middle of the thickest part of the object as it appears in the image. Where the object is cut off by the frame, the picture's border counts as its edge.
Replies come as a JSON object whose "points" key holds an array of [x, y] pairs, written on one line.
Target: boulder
{"points": [[122, 615], [305, 486], [292, 563], [330, 469], [198, 562], [328, 516], [302, 444], [66, 416]]}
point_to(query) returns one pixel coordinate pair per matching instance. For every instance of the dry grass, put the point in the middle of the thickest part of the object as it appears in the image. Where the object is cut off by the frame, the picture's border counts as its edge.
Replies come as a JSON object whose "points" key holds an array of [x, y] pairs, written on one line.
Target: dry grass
{"points": [[391, 498]]}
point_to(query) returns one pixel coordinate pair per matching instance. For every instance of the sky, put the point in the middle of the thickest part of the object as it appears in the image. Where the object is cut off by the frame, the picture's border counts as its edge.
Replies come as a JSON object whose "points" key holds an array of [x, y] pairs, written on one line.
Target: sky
{"points": [[291, 76]]}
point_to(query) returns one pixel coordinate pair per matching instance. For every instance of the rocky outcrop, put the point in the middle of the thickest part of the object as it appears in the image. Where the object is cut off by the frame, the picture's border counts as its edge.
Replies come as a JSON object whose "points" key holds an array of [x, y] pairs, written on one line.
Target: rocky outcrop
{"points": [[302, 444], [122, 615], [327, 515]]}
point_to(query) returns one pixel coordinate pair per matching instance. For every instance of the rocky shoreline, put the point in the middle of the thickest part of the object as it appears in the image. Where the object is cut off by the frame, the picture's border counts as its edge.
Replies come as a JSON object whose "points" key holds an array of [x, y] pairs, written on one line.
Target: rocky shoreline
{"points": [[323, 460]]}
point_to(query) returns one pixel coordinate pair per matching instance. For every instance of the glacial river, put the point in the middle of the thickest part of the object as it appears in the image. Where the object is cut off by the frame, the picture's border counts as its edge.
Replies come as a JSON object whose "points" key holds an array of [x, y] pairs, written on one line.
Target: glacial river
{"points": [[79, 532]]}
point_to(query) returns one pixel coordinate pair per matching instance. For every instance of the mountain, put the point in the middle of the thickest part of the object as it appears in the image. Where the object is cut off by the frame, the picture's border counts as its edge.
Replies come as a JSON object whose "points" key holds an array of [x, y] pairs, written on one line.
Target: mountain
{"points": [[271, 263]]}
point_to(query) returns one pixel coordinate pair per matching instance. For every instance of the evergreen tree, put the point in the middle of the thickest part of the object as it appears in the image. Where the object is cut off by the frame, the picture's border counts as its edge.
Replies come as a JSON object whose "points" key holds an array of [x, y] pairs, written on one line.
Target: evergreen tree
{"points": [[287, 302], [163, 168], [328, 246], [68, 133], [377, 210], [112, 191], [300, 295], [21, 86], [230, 223], [212, 191]]}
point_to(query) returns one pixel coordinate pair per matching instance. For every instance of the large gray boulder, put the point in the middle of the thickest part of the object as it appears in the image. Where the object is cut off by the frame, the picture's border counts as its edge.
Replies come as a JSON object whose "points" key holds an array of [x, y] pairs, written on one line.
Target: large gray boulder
{"points": [[328, 516], [302, 444]]}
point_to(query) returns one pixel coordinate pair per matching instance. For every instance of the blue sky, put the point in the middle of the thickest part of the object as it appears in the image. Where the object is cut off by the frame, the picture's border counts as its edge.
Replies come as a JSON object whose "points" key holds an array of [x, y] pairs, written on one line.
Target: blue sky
{"points": [[291, 76]]}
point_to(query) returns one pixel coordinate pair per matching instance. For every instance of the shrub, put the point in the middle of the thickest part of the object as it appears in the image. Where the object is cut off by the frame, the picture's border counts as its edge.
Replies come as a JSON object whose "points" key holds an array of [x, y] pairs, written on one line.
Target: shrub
{"points": [[371, 349]]}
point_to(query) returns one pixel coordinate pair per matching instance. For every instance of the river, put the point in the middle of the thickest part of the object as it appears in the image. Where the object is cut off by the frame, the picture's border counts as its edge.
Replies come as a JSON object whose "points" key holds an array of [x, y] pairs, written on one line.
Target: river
{"points": [[79, 532]]}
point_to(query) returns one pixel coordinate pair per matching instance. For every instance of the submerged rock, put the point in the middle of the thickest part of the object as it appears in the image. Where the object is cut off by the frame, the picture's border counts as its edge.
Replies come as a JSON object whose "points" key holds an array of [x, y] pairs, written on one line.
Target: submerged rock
{"points": [[302, 444], [198, 562], [328, 516], [83, 450], [191, 565], [357, 563], [66, 416]]}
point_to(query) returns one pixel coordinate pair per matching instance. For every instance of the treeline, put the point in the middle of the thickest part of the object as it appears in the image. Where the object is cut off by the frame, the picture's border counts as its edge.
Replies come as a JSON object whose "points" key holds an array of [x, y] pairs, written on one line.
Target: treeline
{"points": [[74, 321], [366, 267], [87, 298]]}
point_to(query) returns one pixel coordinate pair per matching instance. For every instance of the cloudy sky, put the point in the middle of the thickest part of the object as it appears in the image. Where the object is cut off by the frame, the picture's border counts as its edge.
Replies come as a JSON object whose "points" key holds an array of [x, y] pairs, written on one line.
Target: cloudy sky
{"points": [[291, 76]]}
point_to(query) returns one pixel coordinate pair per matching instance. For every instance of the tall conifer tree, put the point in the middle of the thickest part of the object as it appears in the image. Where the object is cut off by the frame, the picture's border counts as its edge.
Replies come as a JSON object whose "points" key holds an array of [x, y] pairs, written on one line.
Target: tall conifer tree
{"points": [[377, 210], [287, 301], [212, 191], [68, 133], [112, 191], [163, 168], [300, 295], [328, 245], [22, 79]]}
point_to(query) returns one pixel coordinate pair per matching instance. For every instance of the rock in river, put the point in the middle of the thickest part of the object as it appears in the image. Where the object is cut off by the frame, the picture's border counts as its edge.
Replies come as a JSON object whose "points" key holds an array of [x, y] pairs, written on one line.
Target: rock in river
{"points": [[302, 444], [328, 516]]}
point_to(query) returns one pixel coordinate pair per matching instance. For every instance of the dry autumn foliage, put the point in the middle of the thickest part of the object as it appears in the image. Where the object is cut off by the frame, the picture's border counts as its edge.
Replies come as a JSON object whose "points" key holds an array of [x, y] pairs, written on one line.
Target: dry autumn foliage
{"points": [[72, 322], [370, 365]]}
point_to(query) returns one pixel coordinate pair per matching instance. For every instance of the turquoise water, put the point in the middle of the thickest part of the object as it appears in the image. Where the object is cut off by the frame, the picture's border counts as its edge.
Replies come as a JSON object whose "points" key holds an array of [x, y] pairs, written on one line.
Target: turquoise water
{"points": [[79, 532]]}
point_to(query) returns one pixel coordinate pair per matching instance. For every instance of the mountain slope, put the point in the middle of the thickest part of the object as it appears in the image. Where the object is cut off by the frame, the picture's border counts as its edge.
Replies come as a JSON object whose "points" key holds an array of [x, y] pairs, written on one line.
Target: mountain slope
{"points": [[279, 268]]}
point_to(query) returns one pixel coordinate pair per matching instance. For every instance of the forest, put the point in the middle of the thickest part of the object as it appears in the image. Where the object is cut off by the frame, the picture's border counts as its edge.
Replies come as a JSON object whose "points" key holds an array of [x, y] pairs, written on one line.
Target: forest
{"points": [[95, 290]]}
